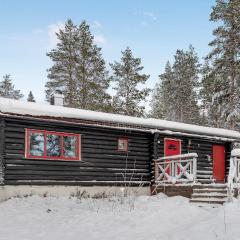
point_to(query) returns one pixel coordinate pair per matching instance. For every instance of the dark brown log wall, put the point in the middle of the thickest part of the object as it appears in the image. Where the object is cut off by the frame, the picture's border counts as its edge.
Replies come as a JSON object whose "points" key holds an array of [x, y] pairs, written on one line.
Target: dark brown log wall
{"points": [[101, 163]]}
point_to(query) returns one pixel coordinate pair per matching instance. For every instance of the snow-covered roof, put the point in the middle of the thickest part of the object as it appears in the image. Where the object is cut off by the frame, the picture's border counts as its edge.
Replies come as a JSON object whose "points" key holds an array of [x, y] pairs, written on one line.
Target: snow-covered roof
{"points": [[35, 109]]}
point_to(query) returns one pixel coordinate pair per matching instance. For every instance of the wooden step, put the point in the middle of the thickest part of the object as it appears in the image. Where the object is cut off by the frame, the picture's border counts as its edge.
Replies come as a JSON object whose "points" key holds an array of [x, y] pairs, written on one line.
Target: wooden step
{"points": [[210, 186], [209, 195], [209, 200], [202, 176], [205, 167], [214, 193], [210, 190], [204, 172]]}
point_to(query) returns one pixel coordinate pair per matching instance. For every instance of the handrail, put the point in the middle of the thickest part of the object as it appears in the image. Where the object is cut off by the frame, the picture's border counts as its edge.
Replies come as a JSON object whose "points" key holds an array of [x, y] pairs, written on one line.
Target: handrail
{"points": [[181, 156], [234, 171], [177, 168]]}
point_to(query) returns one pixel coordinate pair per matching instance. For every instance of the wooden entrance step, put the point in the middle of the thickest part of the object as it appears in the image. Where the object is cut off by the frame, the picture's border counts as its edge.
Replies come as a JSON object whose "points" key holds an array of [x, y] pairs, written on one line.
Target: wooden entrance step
{"points": [[210, 190], [209, 193]]}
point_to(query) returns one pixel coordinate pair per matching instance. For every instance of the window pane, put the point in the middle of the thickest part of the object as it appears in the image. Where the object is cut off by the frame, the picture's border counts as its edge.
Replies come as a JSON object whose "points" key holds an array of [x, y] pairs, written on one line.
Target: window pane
{"points": [[122, 144], [36, 144], [53, 145], [70, 146]]}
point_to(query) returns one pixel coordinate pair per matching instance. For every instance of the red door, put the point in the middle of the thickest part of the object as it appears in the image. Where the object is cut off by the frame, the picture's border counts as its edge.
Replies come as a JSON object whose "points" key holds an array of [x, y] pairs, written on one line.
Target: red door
{"points": [[219, 162], [171, 147]]}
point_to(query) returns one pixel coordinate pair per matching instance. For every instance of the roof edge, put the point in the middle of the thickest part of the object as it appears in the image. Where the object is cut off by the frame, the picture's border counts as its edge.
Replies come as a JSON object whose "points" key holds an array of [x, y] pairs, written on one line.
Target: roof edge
{"points": [[36, 109]]}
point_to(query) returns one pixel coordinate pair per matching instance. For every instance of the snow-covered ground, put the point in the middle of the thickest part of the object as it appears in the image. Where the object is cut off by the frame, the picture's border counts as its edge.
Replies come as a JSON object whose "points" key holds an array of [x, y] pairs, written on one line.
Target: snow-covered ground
{"points": [[147, 218]]}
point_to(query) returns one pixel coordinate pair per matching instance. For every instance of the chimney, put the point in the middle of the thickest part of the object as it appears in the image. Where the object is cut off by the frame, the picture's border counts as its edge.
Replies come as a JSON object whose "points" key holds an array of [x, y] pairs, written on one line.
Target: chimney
{"points": [[57, 98]]}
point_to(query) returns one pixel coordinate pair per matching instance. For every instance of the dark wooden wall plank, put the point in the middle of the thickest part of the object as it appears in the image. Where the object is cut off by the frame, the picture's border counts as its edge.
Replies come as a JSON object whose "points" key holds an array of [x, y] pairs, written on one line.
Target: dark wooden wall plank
{"points": [[100, 159], [101, 163]]}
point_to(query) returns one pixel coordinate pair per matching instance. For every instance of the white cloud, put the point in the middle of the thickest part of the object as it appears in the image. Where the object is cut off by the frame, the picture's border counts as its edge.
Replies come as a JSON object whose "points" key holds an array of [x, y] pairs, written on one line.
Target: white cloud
{"points": [[150, 15], [52, 30], [99, 39], [145, 17], [96, 24]]}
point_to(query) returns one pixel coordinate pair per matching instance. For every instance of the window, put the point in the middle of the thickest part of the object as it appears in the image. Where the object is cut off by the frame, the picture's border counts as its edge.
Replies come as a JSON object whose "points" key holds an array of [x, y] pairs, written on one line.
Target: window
{"points": [[123, 144], [42, 144]]}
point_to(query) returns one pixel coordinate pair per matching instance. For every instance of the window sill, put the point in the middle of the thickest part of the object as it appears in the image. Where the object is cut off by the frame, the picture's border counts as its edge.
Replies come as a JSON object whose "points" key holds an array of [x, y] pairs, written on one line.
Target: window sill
{"points": [[51, 159]]}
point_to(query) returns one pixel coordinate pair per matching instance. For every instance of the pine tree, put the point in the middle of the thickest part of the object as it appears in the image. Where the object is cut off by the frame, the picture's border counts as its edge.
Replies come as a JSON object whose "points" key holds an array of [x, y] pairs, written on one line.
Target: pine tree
{"points": [[225, 61], [30, 97], [157, 102], [212, 97], [62, 75], [175, 97], [206, 94], [130, 90], [79, 70], [163, 95], [7, 88], [186, 70]]}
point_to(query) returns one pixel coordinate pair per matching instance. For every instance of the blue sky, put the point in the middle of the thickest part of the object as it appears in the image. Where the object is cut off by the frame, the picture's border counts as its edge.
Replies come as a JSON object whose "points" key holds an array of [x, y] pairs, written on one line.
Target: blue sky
{"points": [[153, 29]]}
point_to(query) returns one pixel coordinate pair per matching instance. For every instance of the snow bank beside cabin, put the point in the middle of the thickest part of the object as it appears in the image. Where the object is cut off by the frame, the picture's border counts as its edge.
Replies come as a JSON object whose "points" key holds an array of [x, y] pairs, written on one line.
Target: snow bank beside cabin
{"points": [[34, 109], [152, 218]]}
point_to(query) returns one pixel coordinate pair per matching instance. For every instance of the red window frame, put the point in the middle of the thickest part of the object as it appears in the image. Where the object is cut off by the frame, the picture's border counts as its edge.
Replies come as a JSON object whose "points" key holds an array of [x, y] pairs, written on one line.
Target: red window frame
{"points": [[61, 134], [125, 139]]}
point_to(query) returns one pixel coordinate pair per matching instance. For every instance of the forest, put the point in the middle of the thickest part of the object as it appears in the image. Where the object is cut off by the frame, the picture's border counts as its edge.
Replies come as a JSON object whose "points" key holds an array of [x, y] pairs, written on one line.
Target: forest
{"points": [[190, 90]]}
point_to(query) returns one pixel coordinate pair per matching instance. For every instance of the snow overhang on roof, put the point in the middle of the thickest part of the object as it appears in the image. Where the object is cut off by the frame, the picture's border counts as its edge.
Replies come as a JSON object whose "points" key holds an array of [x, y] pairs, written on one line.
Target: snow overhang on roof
{"points": [[38, 110]]}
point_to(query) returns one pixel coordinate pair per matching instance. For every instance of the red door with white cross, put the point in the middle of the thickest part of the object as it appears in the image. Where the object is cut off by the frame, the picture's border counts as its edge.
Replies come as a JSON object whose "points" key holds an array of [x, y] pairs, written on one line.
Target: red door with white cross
{"points": [[171, 147]]}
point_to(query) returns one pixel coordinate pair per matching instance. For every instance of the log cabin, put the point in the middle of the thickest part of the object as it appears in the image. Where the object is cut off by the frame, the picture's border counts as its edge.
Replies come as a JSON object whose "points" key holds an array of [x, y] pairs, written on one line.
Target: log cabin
{"points": [[52, 149]]}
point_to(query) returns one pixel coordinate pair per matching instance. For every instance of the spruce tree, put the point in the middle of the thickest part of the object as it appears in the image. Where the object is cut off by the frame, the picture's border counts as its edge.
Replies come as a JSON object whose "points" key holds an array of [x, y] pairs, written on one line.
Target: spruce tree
{"points": [[7, 88], [157, 102], [163, 95], [225, 61], [175, 97], [212, 96], [62, 75], [129, 85], [79, 70], [30, 97], [186, 80]]}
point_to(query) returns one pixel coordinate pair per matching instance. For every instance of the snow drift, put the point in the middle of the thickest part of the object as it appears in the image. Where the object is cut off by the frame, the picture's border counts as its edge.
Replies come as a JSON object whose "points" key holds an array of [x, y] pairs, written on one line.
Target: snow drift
{"points": [[152, 218]]}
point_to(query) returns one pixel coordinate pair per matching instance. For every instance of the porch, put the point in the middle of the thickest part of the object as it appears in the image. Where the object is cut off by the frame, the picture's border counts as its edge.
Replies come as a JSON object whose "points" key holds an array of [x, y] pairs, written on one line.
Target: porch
{"points": [[179, 175], [175, 175]]}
